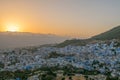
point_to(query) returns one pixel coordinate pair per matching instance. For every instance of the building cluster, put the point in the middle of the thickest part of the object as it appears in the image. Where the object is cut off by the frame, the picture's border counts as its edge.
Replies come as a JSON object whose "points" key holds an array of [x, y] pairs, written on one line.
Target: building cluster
{"points": [[102, 57]]}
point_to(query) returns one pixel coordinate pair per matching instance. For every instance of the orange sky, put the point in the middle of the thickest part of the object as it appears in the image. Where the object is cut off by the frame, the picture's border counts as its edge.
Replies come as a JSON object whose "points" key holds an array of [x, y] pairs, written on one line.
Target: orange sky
{"points": [[76, 18]]}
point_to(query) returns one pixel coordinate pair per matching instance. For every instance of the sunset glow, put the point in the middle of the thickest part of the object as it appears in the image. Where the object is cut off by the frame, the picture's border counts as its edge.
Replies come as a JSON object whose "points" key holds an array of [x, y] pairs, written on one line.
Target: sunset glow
{"points": [[59, 39], [12, 28], [76, 18]]}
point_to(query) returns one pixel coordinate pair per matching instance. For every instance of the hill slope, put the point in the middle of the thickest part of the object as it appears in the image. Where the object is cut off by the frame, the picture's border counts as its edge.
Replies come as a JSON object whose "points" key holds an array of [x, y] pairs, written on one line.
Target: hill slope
{"points": [[111, 34], [108, 35], [74, 42]]}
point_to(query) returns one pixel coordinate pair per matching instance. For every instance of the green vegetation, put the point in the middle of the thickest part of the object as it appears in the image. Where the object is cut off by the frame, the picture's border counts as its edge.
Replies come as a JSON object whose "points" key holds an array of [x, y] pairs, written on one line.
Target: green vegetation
{"points": [[74, 42], [55, 55], [1, 65], [13, 75], [63, 79], [112, 78], [70, 78], [86, 77], [117, 43], [46, 73], [49, 75], [111, 34], [6, 75]]}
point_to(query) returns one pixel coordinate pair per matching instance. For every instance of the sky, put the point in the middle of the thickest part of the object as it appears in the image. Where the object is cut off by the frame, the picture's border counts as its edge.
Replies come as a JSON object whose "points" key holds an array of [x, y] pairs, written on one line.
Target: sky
{"points": [[76, 18]]}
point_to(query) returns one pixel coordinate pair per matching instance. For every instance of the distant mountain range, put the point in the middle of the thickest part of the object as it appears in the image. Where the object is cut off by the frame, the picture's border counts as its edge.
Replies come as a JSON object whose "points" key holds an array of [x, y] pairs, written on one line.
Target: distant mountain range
{"points": [[108, 35], [22, 39]]}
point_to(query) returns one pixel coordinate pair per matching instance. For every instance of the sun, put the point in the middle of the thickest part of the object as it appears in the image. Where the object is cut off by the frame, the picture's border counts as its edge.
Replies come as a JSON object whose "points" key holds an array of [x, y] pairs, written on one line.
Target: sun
{"points": [[12, 28]]}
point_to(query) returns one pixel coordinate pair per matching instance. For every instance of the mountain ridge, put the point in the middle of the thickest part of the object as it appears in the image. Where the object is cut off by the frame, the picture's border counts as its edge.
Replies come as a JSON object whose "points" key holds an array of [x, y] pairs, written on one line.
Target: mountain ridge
{"points": [[23, 39], [113, 33]]}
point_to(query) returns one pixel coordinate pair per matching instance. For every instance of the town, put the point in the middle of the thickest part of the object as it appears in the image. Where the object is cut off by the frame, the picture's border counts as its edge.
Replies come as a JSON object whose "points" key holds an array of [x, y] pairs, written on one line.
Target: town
{"points": [[102, 57]]}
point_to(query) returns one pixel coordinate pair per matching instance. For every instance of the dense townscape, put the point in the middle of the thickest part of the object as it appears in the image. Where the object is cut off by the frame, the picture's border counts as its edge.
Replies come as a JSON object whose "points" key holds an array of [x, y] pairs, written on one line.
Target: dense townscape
{"points": [[102, 58]]}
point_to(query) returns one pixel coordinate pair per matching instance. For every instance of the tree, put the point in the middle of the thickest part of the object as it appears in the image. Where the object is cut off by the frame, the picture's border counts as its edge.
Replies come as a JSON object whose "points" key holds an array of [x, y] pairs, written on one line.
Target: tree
{"points": [[70, 78], [63, 79], [1, 65], [47, 77], [86, 77]]}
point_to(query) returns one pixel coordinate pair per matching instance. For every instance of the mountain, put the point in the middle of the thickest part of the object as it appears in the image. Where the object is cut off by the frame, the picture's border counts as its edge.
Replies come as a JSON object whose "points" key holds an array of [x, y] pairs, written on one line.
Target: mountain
{"points": [[73, 42], [22, 39], [108, 35], [111, 34]]}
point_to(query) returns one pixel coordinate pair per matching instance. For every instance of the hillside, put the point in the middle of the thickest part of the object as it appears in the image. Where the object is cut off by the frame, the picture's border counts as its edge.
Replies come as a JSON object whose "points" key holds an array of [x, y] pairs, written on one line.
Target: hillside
{"points": [[108, 35], [111, 34], [74, 42]]}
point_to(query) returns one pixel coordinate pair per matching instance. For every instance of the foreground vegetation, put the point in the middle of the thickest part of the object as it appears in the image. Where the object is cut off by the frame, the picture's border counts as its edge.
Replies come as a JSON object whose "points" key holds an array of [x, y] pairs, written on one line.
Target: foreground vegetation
{"points": [[50, 73]]}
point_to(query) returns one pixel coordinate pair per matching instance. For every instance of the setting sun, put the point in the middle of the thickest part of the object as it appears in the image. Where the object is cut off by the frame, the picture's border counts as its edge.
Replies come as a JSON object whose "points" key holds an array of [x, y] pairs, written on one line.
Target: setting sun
{"points": [[12, 28]]}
